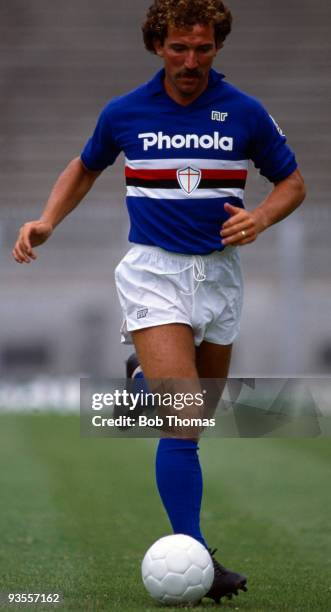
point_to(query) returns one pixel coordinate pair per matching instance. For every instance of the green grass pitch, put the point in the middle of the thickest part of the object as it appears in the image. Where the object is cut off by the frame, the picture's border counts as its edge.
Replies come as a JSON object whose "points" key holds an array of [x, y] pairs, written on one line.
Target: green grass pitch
{"points": [[78, 514]]}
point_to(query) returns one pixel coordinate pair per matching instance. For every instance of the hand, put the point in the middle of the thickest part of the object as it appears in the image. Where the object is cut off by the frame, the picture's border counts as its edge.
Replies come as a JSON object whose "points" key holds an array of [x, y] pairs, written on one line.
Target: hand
{"points": [[242, 228], [31, 234]]}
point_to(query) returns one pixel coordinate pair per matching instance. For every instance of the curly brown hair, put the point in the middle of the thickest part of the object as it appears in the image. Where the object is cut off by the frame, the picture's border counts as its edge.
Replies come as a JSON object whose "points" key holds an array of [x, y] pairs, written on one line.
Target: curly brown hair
{"points": [[185, 13]]}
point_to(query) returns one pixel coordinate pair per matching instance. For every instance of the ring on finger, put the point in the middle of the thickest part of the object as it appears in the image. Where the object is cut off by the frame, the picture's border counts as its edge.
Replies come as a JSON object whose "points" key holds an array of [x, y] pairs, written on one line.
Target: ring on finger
{"points": [[243, 233]]}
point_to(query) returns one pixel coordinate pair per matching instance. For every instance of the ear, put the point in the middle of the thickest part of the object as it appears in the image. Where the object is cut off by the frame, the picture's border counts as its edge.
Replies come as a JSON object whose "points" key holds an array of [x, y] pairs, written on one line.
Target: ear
{"points": [[158, 47]]}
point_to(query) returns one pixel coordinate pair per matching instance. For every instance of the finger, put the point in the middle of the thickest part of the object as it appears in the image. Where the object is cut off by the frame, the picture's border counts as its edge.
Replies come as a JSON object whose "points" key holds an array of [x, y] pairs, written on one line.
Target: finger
{"points": [[31, 253], [19, 246], [235, 229], [229, 208], [21, 251], [22, 256], [239, 239], [26, 240], [239, 217], [16, 256]]}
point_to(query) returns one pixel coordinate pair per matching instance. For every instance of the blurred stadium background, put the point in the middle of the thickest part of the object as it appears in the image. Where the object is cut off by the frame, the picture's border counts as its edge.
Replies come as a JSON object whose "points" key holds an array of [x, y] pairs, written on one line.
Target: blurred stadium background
{"points": [[60, 63]]}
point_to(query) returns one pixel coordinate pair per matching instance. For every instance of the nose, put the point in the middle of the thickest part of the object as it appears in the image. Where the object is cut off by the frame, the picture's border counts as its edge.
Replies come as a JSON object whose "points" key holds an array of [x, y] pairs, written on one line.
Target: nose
{"points": [[191, 60]]}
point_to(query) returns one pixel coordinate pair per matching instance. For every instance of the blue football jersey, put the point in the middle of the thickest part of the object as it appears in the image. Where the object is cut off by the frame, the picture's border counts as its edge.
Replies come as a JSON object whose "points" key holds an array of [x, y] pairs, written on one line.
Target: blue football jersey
{"points": [[183, 163]]}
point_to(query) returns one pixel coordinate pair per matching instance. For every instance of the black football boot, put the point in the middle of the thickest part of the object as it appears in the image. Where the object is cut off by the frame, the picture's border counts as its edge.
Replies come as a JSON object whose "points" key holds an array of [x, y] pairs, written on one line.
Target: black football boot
{"points": [[226, 583]]}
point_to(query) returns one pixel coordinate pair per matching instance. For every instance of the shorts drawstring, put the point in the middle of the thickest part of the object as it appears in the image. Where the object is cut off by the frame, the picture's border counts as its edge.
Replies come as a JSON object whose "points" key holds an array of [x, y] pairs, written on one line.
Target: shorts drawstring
{"points": [[198, 269]]}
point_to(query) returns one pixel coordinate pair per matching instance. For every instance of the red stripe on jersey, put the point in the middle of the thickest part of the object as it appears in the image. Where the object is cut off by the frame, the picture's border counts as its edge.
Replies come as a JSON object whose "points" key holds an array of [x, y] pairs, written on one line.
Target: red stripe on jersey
{"points": [[172, 174], [224, 174], [150, 174]]}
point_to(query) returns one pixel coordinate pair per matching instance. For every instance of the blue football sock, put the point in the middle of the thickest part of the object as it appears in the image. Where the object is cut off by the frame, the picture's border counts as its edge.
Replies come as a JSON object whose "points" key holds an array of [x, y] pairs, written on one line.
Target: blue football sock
{"points": [[179, 480]]}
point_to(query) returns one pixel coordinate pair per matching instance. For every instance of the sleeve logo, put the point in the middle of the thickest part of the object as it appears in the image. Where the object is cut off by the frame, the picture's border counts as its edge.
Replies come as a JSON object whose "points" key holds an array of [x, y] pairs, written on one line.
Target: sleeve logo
{"points": [[279, 129]]}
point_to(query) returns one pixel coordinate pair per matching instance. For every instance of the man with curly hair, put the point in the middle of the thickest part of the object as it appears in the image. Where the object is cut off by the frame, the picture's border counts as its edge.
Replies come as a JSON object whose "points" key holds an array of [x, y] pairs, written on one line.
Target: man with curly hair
{"points": [[187, 136]]}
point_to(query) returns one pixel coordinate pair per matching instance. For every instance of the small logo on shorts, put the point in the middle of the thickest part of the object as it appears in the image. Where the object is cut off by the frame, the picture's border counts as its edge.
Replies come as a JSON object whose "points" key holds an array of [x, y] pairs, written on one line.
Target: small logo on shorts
{"points": [[141, 314]]}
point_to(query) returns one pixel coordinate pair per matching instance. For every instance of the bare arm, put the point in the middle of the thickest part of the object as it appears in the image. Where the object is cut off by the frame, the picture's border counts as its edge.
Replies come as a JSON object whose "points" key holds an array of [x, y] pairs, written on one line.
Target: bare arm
{"points": [[244, 226], [70, 188]]}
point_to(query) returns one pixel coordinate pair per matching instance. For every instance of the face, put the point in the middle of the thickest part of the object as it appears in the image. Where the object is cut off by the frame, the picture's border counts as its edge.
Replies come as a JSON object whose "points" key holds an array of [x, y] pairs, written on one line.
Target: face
{"points": [[188, 55]]}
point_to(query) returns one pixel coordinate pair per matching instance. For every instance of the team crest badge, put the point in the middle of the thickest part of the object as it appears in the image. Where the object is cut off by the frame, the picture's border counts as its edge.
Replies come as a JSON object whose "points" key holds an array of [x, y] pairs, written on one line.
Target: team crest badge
{"points": [[189, 179]]}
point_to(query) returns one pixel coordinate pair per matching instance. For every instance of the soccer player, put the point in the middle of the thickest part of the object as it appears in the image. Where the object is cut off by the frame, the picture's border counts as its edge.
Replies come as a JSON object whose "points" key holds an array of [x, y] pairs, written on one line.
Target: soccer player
{"points": [[187, 135]]}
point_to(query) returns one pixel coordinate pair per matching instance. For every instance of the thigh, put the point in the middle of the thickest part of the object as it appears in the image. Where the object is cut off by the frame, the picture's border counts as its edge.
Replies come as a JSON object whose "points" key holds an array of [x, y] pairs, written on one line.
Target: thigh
{"points": [[167, 357], [166, 351]]}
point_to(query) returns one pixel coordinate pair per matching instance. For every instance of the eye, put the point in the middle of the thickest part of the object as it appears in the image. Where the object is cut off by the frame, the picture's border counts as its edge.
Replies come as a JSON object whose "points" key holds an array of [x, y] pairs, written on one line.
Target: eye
{"points": [[205, 49], [178, 48]]}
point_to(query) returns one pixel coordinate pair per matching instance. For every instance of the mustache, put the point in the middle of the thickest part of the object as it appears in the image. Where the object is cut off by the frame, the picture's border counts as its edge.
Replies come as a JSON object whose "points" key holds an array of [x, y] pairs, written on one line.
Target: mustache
{"points": [[189, 73]]}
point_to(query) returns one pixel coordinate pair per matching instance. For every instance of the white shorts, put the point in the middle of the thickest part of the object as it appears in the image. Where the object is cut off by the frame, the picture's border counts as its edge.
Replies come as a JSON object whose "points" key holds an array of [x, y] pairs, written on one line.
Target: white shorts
{"points": [[157, 287]]}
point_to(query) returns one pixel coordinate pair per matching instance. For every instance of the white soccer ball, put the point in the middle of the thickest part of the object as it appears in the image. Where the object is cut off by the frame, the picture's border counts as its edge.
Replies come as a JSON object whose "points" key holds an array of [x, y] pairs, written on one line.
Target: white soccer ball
{"points": [[177, 569]]}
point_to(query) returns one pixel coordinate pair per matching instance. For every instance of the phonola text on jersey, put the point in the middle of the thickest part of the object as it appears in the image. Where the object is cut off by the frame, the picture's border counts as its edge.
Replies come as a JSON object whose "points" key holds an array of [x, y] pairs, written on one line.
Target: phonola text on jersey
{"points": [[182, 163]]}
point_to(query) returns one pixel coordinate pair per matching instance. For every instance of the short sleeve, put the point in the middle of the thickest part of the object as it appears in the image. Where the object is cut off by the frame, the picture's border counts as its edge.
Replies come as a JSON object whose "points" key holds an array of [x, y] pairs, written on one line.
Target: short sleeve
{"points": [[268, 150], [101, 149]]}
